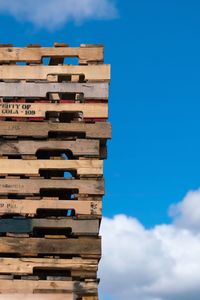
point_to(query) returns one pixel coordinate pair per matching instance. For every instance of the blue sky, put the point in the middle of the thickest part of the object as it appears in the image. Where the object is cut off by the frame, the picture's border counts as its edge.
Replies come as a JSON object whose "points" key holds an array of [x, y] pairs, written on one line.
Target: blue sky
{"points": [[154, 156], [153, 47]]}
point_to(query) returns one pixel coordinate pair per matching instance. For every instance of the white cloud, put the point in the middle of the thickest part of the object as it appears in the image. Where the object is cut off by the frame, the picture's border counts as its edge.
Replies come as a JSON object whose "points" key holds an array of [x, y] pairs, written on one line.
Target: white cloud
{"points": [[162, 263], [52, 14]]}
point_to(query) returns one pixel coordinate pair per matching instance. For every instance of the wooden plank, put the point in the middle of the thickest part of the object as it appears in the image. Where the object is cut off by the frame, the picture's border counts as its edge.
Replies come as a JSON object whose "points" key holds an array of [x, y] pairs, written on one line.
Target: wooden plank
{"points": [[86, 54], [41, 89], [91, 72], [38, 296], [23, 207], [34, 186], [79, 147], [27, 225], [89, 110], [90, 246], [19, 166], [27, 265], [101, 130], [32, 286], [89, 298]]}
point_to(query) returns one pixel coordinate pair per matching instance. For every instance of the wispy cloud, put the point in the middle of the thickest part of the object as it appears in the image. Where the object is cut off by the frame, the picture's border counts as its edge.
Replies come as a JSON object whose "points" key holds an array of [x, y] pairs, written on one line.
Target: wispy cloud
{"points": [[52, 14], [162, 263]]}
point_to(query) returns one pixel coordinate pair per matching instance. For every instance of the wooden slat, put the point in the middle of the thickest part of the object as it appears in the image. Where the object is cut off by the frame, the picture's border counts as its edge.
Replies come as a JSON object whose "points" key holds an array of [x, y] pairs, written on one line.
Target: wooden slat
{"points": [[34, 186], [23, 207], [91, 73], [41, 90], [19, 166], [26, 265], [26, 225], [86, 54], [31, 286], [90, 247], [89, 298], [39, 296], [79, 147], [89, 110], [42, 129]]}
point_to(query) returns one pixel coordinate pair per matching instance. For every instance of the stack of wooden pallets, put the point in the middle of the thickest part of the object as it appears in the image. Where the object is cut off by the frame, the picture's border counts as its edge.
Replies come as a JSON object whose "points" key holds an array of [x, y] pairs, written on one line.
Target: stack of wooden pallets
{"points": [[53, 134]]}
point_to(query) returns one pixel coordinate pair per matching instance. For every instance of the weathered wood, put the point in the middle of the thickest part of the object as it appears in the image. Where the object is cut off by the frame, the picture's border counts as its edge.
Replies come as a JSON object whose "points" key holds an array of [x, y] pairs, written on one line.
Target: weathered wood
{"points": [[91, 73], [90, 246], [90, 298], [89, 110], [79, 147], [34, 186], [26, 225], [27, 265], [62, 296], [19, 166], [101, 130], [85, 53], [23, 207], [31, 286], [41, 89]]}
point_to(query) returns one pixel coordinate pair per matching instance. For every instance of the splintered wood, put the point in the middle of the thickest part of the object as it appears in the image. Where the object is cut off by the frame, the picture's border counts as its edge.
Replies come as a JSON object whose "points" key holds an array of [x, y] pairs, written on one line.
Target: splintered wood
{"points": [[54, 129]]}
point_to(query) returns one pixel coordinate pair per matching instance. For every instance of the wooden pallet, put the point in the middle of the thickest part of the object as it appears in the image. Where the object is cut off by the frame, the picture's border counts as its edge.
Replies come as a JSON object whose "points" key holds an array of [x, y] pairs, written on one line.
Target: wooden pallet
{"points": [[35, 53], [48, 271], [47, 268], [35, 186], [49, 225], [47, 286], [43, 296], [88, 247], [40, 296], [34, 207], [91, 73], [76, 148], [42, 89], [40, 110], [98, 130], [33, 167], [27, 266]]}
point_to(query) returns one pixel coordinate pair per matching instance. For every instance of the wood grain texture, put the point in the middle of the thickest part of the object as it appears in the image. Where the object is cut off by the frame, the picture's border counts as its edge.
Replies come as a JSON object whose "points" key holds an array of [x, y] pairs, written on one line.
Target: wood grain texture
{"points": [[23, 207], [27, 225], [31, 286], [26, 265], [90, 247], [34, 186], [19, 166], [38, 296], [85, 53], [42, 89], [89, 110], [99, 130], [91, 72], [79, 147]]}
